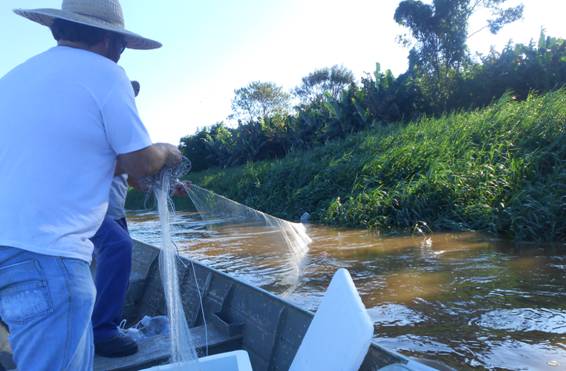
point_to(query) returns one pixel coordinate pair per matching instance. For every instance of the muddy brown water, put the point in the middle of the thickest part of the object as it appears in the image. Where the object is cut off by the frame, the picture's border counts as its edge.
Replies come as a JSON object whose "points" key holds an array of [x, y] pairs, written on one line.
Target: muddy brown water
{"points": [[464, 299]]}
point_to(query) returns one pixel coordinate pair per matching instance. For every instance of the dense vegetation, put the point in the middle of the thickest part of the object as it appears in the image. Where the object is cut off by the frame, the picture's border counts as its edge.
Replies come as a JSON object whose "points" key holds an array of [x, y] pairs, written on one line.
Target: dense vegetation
{"points": [[500, 169], [455, 142], [341, 108]]}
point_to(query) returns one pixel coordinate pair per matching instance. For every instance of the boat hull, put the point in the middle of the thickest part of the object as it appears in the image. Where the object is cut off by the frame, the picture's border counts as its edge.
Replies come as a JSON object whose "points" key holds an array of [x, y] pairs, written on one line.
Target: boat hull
{"points": [[269, 328]]}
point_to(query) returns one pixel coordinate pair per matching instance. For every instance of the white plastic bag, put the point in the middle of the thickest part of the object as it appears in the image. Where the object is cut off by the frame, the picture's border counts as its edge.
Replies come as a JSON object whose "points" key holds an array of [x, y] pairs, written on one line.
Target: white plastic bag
{"points": [[148, 327]]}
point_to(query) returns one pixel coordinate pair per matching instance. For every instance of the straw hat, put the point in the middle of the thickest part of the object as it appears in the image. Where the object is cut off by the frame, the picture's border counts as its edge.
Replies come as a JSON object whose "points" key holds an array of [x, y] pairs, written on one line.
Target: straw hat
{"points": [[103, 14]]}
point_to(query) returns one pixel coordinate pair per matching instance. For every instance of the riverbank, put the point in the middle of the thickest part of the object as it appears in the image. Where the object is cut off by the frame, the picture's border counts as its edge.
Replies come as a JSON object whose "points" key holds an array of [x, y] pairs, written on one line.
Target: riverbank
{"points": [[500, 170]]}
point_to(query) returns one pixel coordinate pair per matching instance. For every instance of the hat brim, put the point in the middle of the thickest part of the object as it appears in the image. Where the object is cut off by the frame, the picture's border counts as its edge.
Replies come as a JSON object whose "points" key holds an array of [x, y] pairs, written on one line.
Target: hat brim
{"points": [[46, 16]]}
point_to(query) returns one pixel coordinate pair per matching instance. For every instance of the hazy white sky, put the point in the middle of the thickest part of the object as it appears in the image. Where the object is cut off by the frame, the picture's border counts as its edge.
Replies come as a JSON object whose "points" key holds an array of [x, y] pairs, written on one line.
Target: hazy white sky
{"points": [[213, 47]]}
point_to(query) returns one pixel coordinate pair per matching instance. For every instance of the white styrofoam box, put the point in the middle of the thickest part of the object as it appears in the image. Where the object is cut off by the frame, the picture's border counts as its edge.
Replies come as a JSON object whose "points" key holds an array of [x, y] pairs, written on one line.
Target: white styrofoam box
{"points": [[230, 361], [340, 333]]}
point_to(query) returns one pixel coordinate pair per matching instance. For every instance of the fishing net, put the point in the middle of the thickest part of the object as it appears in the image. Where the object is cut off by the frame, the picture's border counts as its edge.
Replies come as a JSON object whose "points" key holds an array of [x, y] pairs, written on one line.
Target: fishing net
{"points": [[182, 346], [276, 237]]}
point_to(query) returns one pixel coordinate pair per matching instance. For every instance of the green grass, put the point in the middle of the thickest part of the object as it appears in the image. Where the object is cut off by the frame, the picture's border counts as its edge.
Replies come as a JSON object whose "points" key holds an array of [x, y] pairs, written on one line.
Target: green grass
{"points": [[501, 170]]}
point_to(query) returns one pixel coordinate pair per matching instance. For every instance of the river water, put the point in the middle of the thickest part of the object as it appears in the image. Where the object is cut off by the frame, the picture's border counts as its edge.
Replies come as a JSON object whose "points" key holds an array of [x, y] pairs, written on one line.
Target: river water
{"points": [[469, 301]]}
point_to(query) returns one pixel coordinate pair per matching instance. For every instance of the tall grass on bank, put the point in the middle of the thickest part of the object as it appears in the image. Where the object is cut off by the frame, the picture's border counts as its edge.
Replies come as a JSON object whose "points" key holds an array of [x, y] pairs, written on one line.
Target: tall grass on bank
{"points": [[501, 169]]}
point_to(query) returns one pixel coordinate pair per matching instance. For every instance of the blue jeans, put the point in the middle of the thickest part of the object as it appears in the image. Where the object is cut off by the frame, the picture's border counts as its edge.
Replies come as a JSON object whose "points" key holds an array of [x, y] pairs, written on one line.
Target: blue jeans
{"points": [[113, 257], [47, 301]]}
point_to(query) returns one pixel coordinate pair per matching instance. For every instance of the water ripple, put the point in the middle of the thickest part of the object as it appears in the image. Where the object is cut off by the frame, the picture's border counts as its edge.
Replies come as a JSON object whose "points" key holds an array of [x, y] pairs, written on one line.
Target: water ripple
{"points": [[395, 315], [524, 320], [518, 355]]}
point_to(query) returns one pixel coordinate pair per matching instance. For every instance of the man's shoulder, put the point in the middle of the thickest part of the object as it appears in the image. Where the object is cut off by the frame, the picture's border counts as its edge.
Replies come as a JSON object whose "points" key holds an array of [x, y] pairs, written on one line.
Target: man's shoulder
{"points": [[86, 59], [97, 73], [72, 63]]}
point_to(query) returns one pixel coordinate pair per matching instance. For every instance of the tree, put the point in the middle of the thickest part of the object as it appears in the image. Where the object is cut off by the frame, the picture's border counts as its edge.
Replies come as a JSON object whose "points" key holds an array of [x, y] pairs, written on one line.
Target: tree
{"points": [[440, 32], [440, 29], [208, 147], [324, 81], [259, 100], [195, 149]]}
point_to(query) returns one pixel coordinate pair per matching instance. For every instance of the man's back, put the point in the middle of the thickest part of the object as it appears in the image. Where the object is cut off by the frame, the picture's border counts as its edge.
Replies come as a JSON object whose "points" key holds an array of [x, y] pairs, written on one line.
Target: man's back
{"points": [[64, 116], [67, 121]]}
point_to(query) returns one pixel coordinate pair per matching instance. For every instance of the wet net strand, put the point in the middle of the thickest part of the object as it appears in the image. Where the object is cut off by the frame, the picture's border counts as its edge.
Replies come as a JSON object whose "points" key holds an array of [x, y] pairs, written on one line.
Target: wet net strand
{"points": [[181, 343], [279, 236]]}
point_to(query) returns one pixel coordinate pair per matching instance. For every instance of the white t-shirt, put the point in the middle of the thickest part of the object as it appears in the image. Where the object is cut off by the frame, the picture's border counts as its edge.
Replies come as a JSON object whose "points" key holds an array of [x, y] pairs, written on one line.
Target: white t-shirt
{"points": [[65, 115]]}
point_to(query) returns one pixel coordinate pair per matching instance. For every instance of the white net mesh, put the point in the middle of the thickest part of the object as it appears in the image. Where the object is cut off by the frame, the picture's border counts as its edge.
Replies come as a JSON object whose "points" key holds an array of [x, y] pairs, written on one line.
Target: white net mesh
{"points": [[277, 236], [182, 346]]}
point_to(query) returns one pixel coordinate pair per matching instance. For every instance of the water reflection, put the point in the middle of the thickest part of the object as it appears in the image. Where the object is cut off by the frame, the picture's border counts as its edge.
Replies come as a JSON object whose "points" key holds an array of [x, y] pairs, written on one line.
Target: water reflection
{"points": [[524, 320], [463, 299], [395, 315]]}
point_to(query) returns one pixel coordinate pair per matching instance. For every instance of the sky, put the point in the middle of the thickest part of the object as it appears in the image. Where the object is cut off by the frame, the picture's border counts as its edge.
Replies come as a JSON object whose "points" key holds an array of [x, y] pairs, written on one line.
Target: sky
{"points": [[213, 47]]}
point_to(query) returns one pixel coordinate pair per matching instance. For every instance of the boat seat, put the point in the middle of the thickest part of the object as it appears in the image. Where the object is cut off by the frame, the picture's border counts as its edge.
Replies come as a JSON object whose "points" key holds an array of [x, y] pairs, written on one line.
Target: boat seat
{"points": [[340, 333], [155, 350]]}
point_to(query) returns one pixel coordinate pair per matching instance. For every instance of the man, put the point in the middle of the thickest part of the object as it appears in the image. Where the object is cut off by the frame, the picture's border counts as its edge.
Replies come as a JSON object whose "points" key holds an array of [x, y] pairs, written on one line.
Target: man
{"points": [[67, 121], [113, 257]]}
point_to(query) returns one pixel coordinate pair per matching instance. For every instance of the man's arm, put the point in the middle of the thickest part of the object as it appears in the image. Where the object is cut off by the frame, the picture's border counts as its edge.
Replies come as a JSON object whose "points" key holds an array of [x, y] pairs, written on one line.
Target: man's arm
{"points": [[149, 161]]}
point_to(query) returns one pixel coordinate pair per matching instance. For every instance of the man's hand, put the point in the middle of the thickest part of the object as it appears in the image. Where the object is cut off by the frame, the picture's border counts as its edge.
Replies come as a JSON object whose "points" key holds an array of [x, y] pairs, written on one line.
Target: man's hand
{"points": [[150, 160], [180, 189], [172, 153]]}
